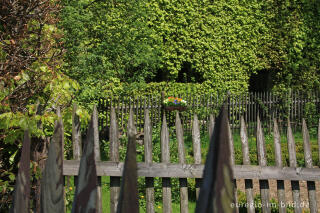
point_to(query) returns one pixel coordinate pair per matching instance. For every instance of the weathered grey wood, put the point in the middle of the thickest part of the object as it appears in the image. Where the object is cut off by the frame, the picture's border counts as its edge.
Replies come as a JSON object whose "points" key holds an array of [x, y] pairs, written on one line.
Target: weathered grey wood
{"points": [[107, 168], [52, 187], [293, 163], [262, 158], [211, 125], [97, 155], [76, 134], [148, 160], [278, 159], [232, 162], [319, 139], [128, 199], [246, 161], [183, 181], [22, 186], [76, 137], [196, 149], [114, 157], [85, 197], [216, 194], [165, 158], [308, 162]]}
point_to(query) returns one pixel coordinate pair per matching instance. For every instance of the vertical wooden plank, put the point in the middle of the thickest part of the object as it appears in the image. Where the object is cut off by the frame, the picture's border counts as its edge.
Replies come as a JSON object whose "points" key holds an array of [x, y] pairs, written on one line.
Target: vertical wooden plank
{"points": [[21, 194], [114, 156], [278, 159], [308, 162], [85, 197], [196, 149], [183, 181], [97, 156], [129, 197], [211, 126], [246, 161], [232, 162], [76, 137], [216, 193], [148, 160], [319, 139], [52, 187], [262, 159], [165, 158], [293, 163]]}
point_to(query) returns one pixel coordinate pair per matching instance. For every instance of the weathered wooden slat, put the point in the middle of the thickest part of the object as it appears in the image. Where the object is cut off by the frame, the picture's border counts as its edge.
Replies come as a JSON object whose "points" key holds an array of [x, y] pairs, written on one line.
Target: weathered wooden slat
{"points": [[216, 194], [319, 139], [165, 158], [128, 199], [71, 168], [278, 159], [114, 157], [97, 155], [76, 137], [262, 158], [183, 181], [308, 162], [293, 163], [148, 160], [85, 197], [52, 187], [232, 162], [211, 125], [196, 149], [21, 194], [246, 161]]}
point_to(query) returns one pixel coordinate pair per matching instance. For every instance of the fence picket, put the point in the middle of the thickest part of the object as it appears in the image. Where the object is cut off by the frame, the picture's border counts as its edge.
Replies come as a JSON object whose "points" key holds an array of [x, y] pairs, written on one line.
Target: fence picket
{"points": [[148, 160], [319, 139], [246, 161], [114, 156], [196, 149], [52, 177], [97, 155], [278, 159], [308, 162], [165, 158], [264, 184], [22, 185], [128, 198], [76, 137], [293, 163], [183, 181], [232, 162]]}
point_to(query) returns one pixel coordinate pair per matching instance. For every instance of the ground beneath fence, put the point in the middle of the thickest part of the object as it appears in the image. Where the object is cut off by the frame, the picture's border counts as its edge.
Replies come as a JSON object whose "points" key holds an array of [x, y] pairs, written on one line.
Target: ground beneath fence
{"points": [[273, 190]]}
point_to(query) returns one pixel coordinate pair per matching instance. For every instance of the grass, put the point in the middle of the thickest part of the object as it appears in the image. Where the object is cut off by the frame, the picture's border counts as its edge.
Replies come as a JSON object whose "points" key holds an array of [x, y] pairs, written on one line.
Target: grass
{"points": [[189, 158]]}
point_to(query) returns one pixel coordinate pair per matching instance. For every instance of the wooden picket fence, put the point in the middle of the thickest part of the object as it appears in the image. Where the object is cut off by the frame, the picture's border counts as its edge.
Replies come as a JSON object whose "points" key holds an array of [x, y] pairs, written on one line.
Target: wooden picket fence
{"points": [[167, 170], [89, 168], [249, 105]]}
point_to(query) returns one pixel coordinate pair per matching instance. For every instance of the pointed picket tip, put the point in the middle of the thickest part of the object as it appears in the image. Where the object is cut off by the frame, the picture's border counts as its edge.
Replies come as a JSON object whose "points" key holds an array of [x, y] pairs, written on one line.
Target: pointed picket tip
{"points": [[52, 187], [261, 144], [85, 197], [180, 139], [217, 190], [22, 186], [211, 126], [291, 146], [147, 137], [306, 144], [128, 199], [277, 143]]}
